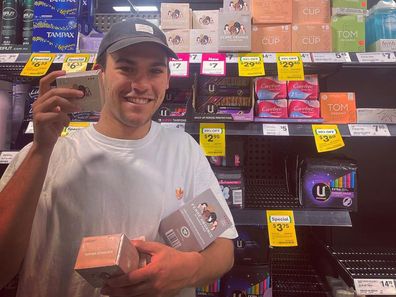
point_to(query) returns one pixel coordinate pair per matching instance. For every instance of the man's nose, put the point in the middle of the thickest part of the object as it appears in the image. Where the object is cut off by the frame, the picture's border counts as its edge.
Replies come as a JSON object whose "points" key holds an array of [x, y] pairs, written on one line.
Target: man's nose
{"points": [[140, 83]]}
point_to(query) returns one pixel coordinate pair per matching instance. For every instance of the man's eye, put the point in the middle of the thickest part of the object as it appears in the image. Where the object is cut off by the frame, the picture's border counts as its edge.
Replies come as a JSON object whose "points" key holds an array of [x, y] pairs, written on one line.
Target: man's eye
{"points": [[126, 69], [157, 70]]}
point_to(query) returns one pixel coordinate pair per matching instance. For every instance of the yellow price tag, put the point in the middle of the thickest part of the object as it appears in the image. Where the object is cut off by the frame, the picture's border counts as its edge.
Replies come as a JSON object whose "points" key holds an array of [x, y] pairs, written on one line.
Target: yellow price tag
{"points": [[281, 228], [75, 62], [212, 139], [251, 64], [290, 66], [38, 64], [327, 138], [74, 126]]}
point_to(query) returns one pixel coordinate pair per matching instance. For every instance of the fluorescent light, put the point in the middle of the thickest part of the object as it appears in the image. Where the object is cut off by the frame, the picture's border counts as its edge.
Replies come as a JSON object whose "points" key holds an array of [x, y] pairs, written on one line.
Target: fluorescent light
{"points": [[122, 8], [146, 8]]}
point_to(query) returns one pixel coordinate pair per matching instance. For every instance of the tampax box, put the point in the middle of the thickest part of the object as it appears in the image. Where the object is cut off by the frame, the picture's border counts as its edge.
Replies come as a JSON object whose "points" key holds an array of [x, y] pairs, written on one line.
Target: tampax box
{"points": [[338, 108], [234, 32], [179, 40], [203, 41], [175, 16], [348, 33], [311, 11], [205, 19], [271, 38], [306, 109], [272, 108], [311, 38], [89, 83], [272, 11], [196, 224], [348, 7], [237, 5], [102, 257], [56, 9], [54, 35]]}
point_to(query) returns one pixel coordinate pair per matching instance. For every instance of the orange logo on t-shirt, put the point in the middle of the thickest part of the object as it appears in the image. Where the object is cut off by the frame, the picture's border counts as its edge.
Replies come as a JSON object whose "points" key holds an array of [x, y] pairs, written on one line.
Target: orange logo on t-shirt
{"points": [[179, 193]]}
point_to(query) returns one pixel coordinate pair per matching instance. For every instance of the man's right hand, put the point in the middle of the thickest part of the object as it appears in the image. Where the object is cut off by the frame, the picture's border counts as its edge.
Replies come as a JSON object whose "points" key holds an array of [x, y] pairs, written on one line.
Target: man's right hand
{"points": [[50, 110]]}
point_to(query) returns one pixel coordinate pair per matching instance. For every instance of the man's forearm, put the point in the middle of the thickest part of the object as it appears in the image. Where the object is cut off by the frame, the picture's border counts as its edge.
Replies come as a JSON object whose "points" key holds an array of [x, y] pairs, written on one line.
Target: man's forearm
{"points": [[18, 202]]}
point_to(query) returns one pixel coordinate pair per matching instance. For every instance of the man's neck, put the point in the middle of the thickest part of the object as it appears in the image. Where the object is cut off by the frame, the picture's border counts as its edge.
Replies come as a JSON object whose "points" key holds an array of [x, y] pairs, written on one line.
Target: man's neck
{"points": [[115, 129]]}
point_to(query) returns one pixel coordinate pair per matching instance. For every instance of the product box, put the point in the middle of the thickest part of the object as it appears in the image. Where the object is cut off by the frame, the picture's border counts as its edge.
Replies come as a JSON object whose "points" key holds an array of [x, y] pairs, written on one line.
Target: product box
{"points": [[270, 88], [175, 16], [234, 32], [272, 108], [232, 186], [221, 104], [272, 11], [171, 112], [376, 115], [203, 41], [338, 108], [90, 43], [348, 33], [196, 224], [311, 11], [383, 45], [205, 19], [178, 95], [224, 86], [251, 247], [237, 5], [308, 89], [102, 257], [348, 7], [179, 40], [271, 38], [307, 109], [55, 35], [328, 183], [311, 38], [90, 83], [211, 290], [234, 155], [56, 9]]}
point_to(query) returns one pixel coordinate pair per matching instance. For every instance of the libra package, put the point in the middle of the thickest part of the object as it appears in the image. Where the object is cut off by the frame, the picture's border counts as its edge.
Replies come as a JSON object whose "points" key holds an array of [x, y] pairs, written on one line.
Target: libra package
{"points": [[328, 183]]}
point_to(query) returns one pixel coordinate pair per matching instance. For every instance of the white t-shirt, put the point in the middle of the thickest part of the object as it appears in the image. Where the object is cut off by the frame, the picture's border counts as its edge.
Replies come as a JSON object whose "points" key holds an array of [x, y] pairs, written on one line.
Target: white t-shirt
{"points": [[98, 185]]}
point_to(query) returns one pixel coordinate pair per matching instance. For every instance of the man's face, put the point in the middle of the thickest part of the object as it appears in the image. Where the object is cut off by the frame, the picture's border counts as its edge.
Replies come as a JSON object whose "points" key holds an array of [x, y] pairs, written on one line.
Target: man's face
{"points": [[135, 80]]}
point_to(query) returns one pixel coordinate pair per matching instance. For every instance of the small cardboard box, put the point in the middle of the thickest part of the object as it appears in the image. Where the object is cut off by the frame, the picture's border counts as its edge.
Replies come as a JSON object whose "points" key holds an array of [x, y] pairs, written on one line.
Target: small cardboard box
{"points": [[311, 11], [348, 7], [203, 41], [237, 5], [338, 108], [196, 224], [90, 83], [272, 11], [383, 45], [175, 16], [311, 38], [348, 33], [179, 40], [271, 38], [102, 257], [205, 19], [376, 115], [234, 32]]}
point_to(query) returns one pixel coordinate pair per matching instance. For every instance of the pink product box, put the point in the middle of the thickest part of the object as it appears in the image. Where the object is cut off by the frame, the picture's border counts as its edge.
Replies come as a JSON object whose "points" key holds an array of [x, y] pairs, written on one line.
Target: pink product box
{"points": [[307, 109], [270, 88], [307, 89], [272, 108]]}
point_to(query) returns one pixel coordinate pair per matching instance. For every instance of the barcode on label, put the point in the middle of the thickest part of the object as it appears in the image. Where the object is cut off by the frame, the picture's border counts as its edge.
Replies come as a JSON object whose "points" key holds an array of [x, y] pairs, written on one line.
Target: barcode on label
{"points": [[172, 238], [237, 197]]}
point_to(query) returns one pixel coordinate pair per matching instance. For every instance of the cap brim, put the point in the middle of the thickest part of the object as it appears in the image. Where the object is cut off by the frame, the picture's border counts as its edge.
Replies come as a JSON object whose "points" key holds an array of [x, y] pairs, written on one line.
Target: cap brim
{"points": [[136, 40]]}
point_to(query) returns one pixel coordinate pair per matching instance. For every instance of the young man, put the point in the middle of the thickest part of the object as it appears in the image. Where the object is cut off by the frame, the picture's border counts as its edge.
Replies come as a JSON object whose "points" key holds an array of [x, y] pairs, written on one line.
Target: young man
{"points": [[121, 176]]}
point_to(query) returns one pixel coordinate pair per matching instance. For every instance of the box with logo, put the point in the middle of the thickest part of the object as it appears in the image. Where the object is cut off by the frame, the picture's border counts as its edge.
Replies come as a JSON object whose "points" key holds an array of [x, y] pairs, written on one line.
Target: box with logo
{"points": [[237, 5], [348, 33], [175, 16], [56, 9], [203, 41], [311, 11], [234, 31], [89, 82], [224, 86], [196, 224], [307, 109], [383, 45], [311, 38], [272, 11], [272, 108], [205, 19], [376, 115], [270, 88], [348, 7], [102, 257], [55, 35], [179, 40], [328, 183], [308, 89], [271, 38], [251, 247], [232, 186], [338, 108]]}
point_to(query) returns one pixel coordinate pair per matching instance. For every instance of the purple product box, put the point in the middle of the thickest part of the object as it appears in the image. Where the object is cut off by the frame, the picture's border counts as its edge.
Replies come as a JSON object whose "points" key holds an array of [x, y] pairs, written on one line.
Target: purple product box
{"points": [[224, 86], [251, 247]]}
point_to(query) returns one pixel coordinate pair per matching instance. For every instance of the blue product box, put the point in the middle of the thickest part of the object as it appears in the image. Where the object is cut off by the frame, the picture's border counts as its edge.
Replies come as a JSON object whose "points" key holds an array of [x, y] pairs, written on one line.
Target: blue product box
{"points": [[56, 9], [55, 36]]}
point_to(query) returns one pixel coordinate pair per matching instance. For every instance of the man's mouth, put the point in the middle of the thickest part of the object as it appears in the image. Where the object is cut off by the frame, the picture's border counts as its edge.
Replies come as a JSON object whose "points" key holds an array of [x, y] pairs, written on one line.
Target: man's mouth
{"points": [[140, 101]]}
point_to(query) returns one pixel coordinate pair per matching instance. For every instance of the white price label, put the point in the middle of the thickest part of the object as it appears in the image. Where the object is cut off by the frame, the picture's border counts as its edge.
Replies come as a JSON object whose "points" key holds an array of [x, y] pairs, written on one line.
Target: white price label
{"points": [[375, 286], [29, 128], [178, 68], [8, 58], [331, 57], [376, 57], [60, 58], [306, 57], [181, 126], [269, 58], [368, 130], [213, 67], [195, 58], [276, 129], [6, 157], [231, 58]]}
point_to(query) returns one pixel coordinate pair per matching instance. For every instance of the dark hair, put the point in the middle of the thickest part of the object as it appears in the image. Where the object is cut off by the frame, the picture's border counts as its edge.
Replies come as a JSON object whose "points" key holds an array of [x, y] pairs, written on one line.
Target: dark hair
{"points": [[101, 60]]}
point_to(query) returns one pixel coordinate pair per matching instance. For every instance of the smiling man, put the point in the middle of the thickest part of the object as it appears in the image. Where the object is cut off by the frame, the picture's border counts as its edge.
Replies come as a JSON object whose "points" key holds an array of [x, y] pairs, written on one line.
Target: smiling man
{"points": [[122, 175]]}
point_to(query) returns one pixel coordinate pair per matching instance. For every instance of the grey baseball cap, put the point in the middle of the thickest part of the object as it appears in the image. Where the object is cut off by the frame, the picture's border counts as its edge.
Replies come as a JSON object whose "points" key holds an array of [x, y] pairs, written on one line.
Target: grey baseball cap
{"points": [[133, 31]]}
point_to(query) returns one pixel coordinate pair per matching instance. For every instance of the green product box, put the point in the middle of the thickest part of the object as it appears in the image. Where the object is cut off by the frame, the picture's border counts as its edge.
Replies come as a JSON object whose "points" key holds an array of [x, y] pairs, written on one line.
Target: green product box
{"points": [[358, 4], [348, 33]]}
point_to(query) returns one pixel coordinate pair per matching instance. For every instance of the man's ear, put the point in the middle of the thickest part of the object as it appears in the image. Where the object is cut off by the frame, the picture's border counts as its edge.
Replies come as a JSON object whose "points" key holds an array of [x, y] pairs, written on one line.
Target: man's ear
{"points": [[97, 67]]}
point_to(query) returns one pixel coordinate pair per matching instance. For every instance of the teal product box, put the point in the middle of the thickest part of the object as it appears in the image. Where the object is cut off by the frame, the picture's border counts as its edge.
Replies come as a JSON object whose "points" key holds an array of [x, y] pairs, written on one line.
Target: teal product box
{"points": [[349, 33], [55, 36], [56, 9]]}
